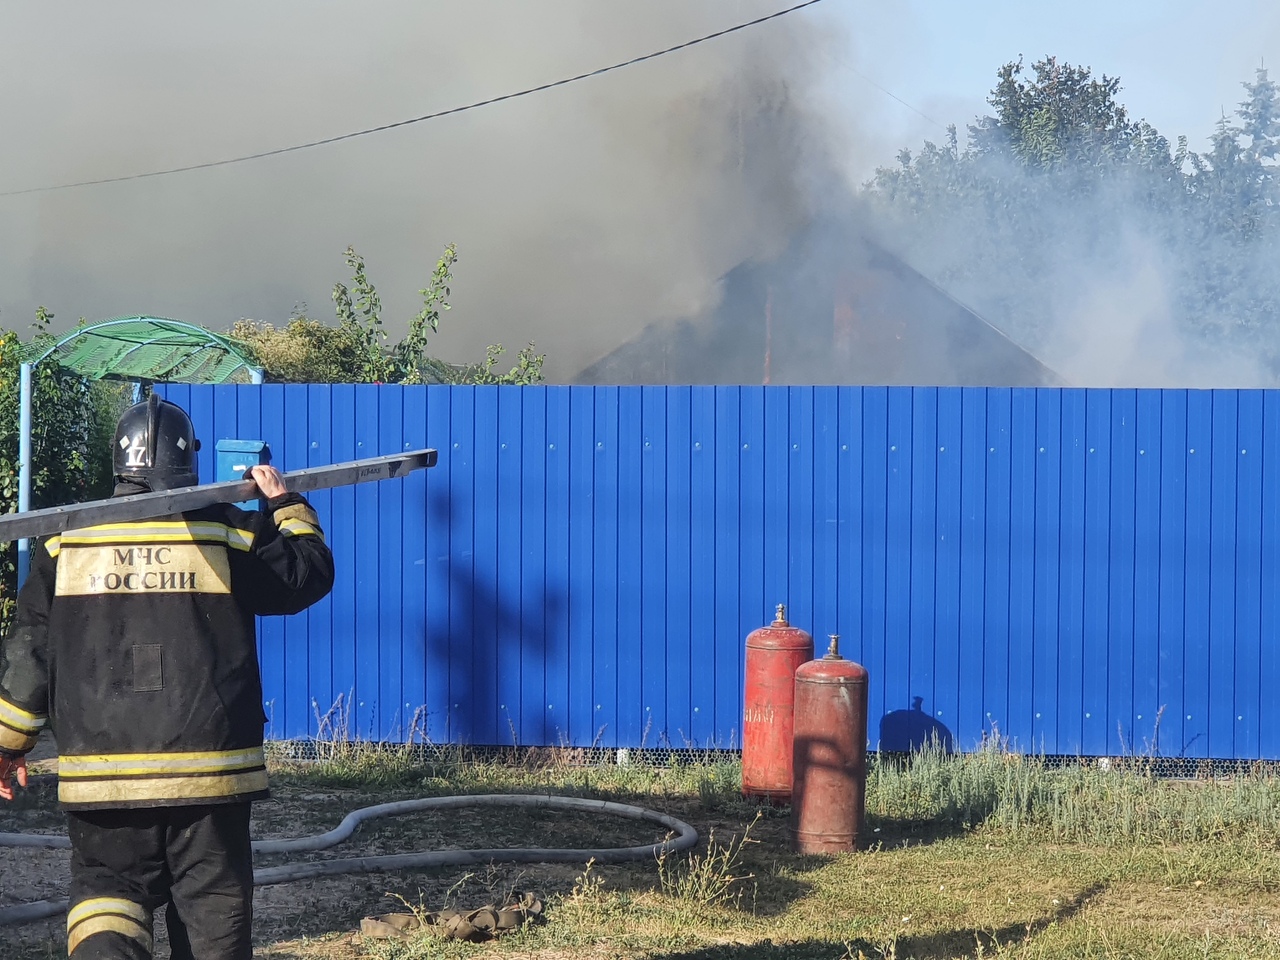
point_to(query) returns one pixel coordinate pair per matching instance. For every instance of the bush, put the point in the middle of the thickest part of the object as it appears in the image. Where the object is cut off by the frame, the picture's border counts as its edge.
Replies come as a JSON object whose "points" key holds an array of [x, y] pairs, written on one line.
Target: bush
{"points": [[355, 350]]}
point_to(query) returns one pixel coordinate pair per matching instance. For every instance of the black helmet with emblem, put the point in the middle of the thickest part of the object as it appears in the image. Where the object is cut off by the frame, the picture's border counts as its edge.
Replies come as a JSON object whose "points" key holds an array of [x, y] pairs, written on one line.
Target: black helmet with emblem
{"points": [[156, 446]]}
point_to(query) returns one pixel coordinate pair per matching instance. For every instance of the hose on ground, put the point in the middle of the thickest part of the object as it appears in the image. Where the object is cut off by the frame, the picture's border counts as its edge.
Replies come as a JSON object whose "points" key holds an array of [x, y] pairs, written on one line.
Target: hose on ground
{"points": [[684, 837]]}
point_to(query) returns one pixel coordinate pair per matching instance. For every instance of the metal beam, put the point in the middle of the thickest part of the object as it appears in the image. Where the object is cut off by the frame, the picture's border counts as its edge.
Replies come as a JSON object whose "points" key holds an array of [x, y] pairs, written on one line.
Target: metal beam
{"points": [[163, 503]]}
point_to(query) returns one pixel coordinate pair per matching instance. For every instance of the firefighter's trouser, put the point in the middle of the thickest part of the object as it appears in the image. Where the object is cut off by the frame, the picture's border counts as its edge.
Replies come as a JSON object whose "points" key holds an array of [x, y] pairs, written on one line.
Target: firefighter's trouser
{"points": [[125, 864]]}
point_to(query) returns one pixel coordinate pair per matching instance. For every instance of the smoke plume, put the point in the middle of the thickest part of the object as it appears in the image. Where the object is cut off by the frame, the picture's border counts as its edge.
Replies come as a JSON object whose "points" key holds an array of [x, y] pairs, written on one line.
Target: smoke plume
{"points": [[581, 214], [1148, 267]]}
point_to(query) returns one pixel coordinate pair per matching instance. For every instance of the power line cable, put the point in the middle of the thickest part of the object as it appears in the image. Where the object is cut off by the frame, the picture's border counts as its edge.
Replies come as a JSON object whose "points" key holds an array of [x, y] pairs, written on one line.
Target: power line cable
{"points": [[843, 63], [889, 93], [404, 123]]}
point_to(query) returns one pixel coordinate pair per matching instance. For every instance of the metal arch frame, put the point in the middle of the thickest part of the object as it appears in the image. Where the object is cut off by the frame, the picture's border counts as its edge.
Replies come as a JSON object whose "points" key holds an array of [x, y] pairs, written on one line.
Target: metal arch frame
{"points": [[25, 396]]}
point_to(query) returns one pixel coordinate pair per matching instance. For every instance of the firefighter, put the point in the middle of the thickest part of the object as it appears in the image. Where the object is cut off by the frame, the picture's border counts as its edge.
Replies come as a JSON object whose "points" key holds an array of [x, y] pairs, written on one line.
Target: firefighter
{"points": [[135, 643]]}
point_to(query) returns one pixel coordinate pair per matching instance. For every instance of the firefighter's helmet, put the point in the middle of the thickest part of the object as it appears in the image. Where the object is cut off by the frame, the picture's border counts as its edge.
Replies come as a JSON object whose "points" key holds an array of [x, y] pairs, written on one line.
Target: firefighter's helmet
{"points": [[156, 445]]}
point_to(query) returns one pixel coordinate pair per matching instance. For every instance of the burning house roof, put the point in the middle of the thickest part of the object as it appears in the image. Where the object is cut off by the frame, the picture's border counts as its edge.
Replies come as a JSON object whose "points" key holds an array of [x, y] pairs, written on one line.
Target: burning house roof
{"points": [[863, 318]]}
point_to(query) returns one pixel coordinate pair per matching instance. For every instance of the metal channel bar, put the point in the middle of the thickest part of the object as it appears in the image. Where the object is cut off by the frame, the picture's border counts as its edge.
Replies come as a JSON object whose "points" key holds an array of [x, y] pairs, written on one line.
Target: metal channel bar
{"points": [[161, 503]]}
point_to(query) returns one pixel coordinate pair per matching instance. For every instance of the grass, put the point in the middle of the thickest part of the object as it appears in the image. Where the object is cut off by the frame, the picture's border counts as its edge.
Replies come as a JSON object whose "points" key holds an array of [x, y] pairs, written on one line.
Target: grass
{"points": [[711, 878], [1020, 797], [986, 855]]}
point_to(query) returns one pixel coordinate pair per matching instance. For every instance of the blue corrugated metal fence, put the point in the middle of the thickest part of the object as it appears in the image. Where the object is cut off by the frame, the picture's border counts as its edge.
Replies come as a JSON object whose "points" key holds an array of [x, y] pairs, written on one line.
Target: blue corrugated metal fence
{"points": [[1082, 571]]}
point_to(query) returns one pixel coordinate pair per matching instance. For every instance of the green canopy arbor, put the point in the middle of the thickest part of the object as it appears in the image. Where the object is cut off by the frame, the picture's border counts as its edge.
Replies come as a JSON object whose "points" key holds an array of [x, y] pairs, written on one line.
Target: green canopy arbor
{"points": [[141, 349], [148, 349]]}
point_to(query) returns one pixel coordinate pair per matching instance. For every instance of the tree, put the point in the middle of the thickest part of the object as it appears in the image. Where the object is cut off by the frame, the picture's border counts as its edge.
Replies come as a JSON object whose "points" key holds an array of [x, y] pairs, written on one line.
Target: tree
{"points": [[1246, 168], [1260, 120], [356, 350], [1063, 117]]}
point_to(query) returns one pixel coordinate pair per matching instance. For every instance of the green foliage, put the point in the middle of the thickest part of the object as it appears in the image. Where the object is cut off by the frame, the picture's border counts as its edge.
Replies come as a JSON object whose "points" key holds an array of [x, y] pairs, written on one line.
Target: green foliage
{"points": [[302, 351], [73, 421], [363, 319], [410, 362], [528, 368], [357, 350], [1064, 116]]}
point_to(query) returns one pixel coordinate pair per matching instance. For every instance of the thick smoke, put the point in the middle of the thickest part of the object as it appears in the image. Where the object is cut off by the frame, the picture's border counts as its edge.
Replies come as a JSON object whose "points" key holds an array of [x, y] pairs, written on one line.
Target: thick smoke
{"points": [[1152, 272], [1117, 323], [1104, 311], [581, 214]]}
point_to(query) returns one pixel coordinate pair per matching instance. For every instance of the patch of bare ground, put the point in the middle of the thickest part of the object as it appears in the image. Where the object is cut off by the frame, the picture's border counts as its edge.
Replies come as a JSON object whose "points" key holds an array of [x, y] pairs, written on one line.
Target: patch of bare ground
{"points": [[318, 918]]}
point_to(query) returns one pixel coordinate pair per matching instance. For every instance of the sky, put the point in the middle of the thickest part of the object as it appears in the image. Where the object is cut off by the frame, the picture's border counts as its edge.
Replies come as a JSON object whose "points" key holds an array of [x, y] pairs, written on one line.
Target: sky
{"points": [[1180, 62], [581, 214]]}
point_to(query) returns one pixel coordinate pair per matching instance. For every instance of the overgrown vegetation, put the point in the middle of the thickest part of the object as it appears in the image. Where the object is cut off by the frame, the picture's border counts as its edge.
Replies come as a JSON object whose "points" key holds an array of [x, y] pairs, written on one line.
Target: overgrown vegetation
{"points": [[714, 877], [73, 421], [357, 349], [1022, 798]]}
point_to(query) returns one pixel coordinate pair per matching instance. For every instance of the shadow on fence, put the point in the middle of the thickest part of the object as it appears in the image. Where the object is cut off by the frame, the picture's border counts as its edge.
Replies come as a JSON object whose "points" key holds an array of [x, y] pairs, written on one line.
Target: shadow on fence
{"points": [[490, 633]]}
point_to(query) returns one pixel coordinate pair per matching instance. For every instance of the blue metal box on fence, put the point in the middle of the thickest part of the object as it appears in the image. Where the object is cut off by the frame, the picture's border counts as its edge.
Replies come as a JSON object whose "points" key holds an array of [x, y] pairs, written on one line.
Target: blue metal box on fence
{"points": [[234, 457]]}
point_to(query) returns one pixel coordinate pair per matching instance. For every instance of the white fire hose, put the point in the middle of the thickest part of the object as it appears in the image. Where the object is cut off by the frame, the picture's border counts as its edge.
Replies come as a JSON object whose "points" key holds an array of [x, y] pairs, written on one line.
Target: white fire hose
{"points": [[685, 837]]}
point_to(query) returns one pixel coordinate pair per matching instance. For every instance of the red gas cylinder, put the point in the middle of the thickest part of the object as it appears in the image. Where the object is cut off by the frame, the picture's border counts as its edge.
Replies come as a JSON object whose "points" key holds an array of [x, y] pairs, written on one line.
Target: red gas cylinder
{"points": [[773, 653], [830, 759]]}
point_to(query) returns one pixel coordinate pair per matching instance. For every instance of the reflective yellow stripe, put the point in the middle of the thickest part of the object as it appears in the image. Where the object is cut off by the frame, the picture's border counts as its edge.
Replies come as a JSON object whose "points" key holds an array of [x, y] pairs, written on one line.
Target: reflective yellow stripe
{"points": [[238, 539], [192, 755], [173, 531], [296, 528], [109, 923], [182, 529], [52, 545], [87, 908], [108, 915], [161, 788], [12, 715], [141, 764], [18, 728]]}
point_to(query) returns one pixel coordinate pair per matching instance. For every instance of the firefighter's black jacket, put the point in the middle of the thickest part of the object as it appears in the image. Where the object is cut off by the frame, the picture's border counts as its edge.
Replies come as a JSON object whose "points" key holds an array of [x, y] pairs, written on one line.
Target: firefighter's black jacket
{"points": [[136, 643]]}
